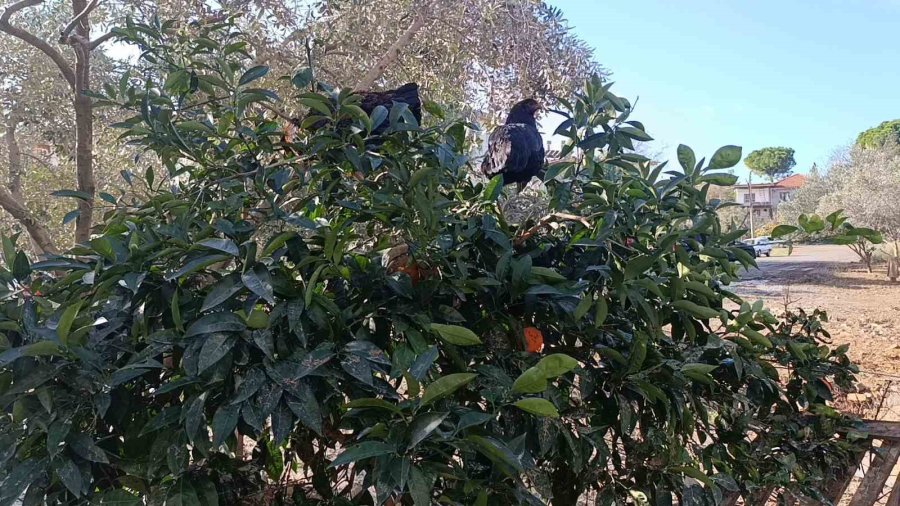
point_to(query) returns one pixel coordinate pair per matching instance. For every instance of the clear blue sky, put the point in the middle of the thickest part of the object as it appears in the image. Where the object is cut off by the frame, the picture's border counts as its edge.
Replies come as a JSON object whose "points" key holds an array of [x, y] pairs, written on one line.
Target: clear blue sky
{"points": [[807, 74]]}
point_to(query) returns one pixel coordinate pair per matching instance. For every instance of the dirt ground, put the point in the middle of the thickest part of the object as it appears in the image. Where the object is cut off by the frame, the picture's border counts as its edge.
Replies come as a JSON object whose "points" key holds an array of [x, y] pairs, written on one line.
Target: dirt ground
{"points": [[863, 308]]}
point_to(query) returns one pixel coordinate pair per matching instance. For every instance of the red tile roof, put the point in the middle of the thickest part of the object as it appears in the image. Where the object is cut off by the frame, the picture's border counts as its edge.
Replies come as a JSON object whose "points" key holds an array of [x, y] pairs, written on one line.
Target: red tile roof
{"points": [[795, 181]]}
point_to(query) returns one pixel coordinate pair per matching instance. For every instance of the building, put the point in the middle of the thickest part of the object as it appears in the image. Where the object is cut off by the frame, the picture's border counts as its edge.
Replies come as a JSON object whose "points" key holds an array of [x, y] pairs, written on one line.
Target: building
{"points": [[763, 198]]}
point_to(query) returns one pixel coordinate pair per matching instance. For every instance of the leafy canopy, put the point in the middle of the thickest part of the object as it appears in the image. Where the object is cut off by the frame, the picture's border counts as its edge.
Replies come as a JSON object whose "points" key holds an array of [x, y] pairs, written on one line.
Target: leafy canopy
{"points": [[249, 293], [876, 137], [772, 163]]}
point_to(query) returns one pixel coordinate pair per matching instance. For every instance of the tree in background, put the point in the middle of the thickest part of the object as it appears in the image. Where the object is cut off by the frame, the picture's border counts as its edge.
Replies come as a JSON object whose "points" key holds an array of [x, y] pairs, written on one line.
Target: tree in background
{"points": [[75, 71], [772, 162], [875, 137], [864, 182]]}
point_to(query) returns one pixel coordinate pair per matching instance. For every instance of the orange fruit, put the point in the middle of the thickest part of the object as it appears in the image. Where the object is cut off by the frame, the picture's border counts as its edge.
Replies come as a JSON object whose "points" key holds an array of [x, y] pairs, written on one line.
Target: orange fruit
{"points": [[534, 340]]}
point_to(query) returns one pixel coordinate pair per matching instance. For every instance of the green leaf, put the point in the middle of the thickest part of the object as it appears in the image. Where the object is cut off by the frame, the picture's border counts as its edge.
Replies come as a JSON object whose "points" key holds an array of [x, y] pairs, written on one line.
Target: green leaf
{"points": [[224, 422], [532, 381], [195, 265], [493, 189], [259, 282], [638, 265], [216, 322], [556, 364], [698, 368], [695, 310], [423, 363], [253, 74], [214, 348], [65, 322], [84, 447], [638, 352], [537, 406], [600, 311], [175, 309], [455, 334], [21, 266], [302, 78], [423, 426], [811, 224], [635, 133], [117, 497], [718, 179], [725, 157], [39, 349], [220, 292], [420, 487], [371, 402], [583, 305], [307, 408], [74, 194], [445, 386], [362, 451], [497, 452], [686, 158], [70, 476], [224, 245]]}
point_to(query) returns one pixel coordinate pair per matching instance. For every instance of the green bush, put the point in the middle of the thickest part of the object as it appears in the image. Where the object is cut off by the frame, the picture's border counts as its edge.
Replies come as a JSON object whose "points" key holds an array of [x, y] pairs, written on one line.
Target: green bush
{"points": [[249, 294]]}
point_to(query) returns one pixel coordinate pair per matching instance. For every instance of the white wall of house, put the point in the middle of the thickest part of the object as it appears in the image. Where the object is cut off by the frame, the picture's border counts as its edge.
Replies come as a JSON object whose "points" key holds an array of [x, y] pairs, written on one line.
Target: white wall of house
{"points": [[759, 196]]}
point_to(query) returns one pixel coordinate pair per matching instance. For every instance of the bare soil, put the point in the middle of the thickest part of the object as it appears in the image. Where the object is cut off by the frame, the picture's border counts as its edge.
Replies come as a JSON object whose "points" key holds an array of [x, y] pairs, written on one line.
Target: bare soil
{"points": [[863, 308]]}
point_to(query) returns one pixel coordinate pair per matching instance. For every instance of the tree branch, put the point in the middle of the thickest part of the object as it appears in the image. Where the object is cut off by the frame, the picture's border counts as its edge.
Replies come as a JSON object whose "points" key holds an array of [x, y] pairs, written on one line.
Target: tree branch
{"points": [[64, 34], [546, 221], [393, 52], [36, 229], [33, 40], [15, 158], [94, 44]]}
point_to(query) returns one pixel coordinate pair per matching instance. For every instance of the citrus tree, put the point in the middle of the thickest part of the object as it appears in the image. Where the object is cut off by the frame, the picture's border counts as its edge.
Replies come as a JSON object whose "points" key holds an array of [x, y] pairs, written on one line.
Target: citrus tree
{"points": [[242, 336]]}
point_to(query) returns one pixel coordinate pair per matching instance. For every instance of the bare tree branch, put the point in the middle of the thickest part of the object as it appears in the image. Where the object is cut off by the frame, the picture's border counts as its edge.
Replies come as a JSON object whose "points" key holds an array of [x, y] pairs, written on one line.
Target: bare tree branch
{"points": [[74, 22], [94, 44], [33, 40], [393, 52]]}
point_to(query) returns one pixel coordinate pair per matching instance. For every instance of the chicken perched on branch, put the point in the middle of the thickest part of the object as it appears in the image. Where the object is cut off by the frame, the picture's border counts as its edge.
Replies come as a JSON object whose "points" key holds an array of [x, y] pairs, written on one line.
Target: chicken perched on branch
{"points": [[516, 149], [407, 94]]}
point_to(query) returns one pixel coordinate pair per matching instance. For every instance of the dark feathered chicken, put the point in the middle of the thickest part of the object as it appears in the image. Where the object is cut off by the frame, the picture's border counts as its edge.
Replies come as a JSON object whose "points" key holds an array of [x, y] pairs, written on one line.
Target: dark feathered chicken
{"points": [[406, 94], [516, 148]]}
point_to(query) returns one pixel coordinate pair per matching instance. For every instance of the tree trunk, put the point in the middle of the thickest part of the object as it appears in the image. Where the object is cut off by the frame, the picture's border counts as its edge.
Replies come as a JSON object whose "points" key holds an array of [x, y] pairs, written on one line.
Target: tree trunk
{"points": [[84, 124], [393, 52], [12, 200]]}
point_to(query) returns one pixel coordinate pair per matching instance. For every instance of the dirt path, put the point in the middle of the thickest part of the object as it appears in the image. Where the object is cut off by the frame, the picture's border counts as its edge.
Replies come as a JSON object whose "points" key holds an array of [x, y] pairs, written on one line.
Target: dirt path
{"points": [[864, 308]]}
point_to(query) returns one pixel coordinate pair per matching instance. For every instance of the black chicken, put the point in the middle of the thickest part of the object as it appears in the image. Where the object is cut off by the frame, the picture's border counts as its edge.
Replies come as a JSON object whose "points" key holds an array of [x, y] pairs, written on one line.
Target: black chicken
{"points": [[516, 149], [407, 94]]}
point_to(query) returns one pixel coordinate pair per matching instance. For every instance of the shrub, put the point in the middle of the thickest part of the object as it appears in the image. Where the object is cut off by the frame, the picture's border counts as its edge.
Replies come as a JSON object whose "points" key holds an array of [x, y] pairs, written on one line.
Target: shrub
{"points": [[592, 350]]}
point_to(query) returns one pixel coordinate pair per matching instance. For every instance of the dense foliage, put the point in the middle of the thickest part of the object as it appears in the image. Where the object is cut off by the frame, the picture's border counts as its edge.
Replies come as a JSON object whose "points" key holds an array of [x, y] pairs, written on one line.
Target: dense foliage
{"points": [[598, 350], [888, 132], [771, 163]]}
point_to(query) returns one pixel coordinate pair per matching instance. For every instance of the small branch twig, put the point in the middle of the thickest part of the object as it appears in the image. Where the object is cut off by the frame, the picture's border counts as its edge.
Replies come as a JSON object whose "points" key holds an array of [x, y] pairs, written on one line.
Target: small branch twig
{"points": [[64, 34], [546, 221]]}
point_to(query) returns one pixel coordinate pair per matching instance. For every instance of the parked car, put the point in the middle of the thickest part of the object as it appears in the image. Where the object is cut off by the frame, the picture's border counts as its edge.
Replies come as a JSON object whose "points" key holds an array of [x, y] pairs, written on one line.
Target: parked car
{"points": [[751, 250], [762, 245]]}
